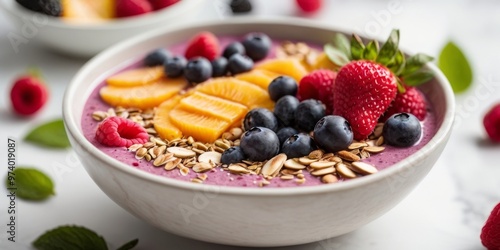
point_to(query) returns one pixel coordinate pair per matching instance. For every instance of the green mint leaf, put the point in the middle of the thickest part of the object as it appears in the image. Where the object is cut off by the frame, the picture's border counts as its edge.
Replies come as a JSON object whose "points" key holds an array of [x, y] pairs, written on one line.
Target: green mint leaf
{"points": [[371, 50], [389, 49], [455, 67], [129, 245], [418, 78], [416, 62], [51, 134], [398, 63], [335, 55], [341, 42], [30, 184], [357, 47], [70, 238]]}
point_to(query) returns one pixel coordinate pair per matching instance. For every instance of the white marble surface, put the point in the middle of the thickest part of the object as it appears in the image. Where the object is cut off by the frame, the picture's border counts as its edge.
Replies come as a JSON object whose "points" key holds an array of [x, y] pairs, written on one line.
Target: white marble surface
{"points": [[446, 211]]}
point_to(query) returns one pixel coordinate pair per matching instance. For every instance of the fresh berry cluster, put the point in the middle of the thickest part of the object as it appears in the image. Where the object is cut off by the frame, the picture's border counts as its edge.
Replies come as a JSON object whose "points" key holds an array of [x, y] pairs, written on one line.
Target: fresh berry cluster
{"points": [[102, 8], [329, 110], [202, 59], [491, 123]]}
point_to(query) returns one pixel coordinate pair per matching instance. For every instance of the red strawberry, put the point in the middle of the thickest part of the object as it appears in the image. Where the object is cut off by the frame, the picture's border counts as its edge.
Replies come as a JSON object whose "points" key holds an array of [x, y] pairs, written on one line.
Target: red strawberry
{"points": [[126, 8], [318, 85], [491, 123], [309, 6], [412, 101], [204, 44], [160, 4], [28, 95], [363, 91], [490, 235]]}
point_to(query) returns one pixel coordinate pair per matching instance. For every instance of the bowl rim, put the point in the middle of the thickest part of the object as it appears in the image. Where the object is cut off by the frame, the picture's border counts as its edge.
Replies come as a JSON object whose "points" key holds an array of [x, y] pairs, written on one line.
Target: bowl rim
{"points": [[115, 24], [74, 129]]}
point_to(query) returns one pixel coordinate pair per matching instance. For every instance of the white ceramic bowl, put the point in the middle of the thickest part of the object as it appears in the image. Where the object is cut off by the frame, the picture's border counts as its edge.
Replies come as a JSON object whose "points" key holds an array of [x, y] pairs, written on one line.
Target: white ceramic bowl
{"points": [[85, 40], [248, 216]]}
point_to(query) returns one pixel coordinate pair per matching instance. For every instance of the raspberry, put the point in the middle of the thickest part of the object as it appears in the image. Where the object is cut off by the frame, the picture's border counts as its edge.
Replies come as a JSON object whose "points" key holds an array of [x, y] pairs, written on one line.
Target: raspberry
{"points": [[160, 4], [318, 85], [119, 132], [491, 123], [204, 44], [126, 8], [28, 95], [411, 101], [309, 6], [490, 235]]}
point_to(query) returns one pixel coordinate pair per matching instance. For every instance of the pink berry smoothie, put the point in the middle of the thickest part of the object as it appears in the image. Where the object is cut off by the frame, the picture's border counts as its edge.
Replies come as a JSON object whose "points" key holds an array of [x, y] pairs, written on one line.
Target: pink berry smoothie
{"points": [[217, 176]]}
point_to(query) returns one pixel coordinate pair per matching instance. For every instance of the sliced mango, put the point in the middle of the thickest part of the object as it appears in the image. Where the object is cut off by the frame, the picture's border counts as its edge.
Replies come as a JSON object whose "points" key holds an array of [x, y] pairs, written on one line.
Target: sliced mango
{"points": [[165, 128], [259, 77], [285, 66], [136, 77], [212, 106], [143, 96], [238, 91], [201, 127]]}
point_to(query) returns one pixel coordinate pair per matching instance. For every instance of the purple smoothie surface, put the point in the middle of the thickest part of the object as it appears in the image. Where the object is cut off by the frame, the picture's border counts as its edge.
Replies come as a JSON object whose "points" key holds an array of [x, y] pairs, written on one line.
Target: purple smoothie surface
{"points": [[217, 176]]}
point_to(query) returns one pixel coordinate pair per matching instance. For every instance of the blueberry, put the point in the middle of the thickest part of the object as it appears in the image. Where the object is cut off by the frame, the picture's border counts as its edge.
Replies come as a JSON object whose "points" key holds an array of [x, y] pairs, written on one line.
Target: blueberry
{"points": [[308, 114], [239, 63], [282, 86], [219, 67], [233, 48], [157, 57], [402, 130], [260, 117], [174, 66], [51, 7], [240, 6], [333, 133], [198, 69], [257, 45], [260, 144], [298, 145], [285, 108], [285, 133], [48, 7], [232, 155]]}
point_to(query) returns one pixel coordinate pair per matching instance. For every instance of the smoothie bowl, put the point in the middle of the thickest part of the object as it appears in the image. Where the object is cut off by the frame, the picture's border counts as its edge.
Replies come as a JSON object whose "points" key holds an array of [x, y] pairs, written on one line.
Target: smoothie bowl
{"points": [[248, 150]]}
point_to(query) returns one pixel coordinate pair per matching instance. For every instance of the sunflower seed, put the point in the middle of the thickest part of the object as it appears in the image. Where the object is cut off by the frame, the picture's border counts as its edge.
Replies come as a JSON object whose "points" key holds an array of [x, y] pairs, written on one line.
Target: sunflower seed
{"points": [[374, 150], [149, 145], [292, 164], [274, 165], [141, 153], [221, 144], [148, 157], [202, 167], [210, 157], [363, 168], [316, 154], [237, 169], [135, 147], [357, 145], [322, 164], [161, 160], [99, 115], [202, 177], [323, 171], [172, 163], [348, 156], [380, 141], [181, 152], [183, 170], [300, 181], [378, 130], [301, 176], [306, 160], [329, 178], [196, 180], [286, 177], [343, 170]]}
